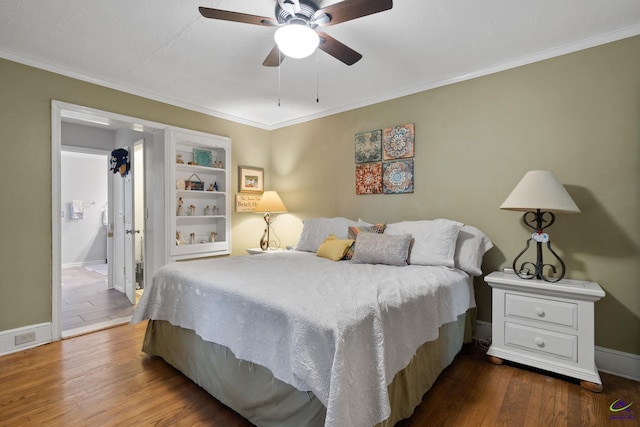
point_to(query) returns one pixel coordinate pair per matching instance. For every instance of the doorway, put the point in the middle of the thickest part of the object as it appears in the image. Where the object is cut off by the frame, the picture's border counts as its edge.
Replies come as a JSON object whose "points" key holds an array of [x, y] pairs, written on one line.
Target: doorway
{"points": [[89, 299], [96, 134]]}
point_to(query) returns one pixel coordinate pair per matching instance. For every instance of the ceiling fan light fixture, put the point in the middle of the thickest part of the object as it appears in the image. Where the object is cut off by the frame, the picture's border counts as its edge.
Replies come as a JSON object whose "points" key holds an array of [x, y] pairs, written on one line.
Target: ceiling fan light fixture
{"points": [[296, 40]]}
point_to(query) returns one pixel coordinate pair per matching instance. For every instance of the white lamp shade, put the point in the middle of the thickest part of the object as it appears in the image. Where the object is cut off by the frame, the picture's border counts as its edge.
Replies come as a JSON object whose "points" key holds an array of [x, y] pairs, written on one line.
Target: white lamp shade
{"points": [[270, 202], [540, 189], [296, 40]]}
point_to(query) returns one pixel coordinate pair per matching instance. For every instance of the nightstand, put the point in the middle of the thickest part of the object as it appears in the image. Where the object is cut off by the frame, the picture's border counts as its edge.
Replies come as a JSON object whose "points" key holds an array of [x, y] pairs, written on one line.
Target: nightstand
{"points": [[548, 326], [258, 251]]}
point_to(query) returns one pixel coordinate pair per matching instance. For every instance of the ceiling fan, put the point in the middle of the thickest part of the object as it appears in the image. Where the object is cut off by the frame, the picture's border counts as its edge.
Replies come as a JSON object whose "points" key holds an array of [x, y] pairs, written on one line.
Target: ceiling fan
{"points": [[306, 16]]}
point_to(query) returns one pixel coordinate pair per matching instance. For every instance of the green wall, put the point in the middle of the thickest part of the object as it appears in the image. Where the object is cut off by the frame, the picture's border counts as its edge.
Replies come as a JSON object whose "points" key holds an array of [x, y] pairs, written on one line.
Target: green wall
{"points": [[25, 218], [578, 115]]}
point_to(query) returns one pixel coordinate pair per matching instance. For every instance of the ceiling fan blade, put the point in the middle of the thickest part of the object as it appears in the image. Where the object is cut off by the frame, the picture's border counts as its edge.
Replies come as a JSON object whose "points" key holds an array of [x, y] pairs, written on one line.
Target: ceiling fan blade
{"points": [[226, 15], [351, 9], [338, 50], [274, 58]]}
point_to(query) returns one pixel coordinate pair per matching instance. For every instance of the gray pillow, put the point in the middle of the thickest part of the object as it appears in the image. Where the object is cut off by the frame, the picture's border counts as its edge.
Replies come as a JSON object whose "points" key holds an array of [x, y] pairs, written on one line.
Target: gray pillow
{"points": [[373, 248]]}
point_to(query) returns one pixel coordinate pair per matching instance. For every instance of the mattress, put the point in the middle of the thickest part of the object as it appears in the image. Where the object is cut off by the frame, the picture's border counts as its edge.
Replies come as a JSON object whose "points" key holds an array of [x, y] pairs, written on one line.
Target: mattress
{"points": [[338, 330]]}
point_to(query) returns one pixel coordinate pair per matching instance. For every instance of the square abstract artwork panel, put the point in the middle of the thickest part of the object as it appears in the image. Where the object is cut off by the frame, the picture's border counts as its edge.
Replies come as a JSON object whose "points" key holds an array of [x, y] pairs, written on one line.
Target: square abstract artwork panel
{"points": [[369, 146], [397, 177], [369, 178], [398, 142]]}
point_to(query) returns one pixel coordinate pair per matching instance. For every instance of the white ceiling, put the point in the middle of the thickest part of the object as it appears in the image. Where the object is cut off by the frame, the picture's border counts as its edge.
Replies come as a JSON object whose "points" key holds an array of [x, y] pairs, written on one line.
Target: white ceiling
{"points": [[165, 50]]}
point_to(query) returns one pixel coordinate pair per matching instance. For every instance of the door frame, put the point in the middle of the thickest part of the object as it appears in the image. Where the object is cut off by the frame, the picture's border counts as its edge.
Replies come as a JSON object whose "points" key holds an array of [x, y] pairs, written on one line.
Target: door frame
{"points": [[152, 216]]}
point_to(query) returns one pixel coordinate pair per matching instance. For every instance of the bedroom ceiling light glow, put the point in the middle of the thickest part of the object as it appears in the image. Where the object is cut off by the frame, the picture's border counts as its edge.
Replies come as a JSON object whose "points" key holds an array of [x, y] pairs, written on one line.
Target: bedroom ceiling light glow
{"points": [[296, 40], [539, 194], [269, 203]]}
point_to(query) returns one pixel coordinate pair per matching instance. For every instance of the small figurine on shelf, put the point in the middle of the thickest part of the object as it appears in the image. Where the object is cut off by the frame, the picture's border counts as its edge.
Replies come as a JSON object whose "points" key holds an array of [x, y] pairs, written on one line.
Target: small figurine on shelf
{"points": [[188, 186], [192, 210], [207, 209], [179, 159], [210, 188], [179, 208], [215, 210], [192, 238], [215, 186], [179, 239], [213, 236]]}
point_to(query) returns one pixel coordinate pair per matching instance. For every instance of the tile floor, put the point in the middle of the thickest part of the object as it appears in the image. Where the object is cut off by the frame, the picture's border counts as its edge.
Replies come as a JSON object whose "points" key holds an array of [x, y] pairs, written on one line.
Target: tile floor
{"points": [[86, 300]]}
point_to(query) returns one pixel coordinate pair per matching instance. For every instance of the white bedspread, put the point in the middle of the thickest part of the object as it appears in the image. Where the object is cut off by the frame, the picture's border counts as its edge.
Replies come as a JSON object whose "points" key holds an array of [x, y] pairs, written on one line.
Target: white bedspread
{"points": [[337, 329]]}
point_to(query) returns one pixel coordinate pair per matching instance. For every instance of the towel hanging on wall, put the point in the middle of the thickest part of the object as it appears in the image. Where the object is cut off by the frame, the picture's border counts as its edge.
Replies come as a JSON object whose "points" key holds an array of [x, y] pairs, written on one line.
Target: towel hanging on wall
{"points": [[77, 209]]}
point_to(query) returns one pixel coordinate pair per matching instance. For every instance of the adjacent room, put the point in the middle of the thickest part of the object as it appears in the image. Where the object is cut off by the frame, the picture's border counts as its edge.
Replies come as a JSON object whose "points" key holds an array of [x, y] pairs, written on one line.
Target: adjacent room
{"points": [[430, 216]]}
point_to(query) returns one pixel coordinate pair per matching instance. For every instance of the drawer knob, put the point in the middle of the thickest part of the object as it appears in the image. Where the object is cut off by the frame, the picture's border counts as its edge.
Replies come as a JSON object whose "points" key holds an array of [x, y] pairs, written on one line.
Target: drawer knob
{"points": [[539, 342], [539, 311]]}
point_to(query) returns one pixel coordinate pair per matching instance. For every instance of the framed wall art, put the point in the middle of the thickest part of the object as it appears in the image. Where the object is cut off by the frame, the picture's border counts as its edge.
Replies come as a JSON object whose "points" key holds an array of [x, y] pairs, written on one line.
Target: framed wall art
{"points": [[250, 179], [384, 160]]}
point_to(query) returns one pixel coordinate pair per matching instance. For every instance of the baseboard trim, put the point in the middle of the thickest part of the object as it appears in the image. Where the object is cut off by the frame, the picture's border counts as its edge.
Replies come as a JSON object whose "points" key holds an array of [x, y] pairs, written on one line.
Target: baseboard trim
{"points": [[482, 331], [8, 338], [83, 263], [626, 365], [618, 363]]}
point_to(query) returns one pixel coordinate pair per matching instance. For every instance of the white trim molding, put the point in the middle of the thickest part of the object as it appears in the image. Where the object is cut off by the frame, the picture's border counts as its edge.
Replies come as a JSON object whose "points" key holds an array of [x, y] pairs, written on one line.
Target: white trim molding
{"points": [[42, 335], [614, 362], [626, 365]]}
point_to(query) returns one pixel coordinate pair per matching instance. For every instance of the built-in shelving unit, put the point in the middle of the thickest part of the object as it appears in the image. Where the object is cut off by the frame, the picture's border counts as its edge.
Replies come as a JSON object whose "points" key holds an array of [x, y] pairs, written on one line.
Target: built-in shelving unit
{"points": [[198, 194]]}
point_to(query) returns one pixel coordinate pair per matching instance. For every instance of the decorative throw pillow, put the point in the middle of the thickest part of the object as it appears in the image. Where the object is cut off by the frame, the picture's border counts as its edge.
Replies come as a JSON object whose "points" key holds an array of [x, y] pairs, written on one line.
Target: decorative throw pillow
{"points": [[334, 249], [372, 248], [434, 240], [315, 230], [352, 233], [471, 246]]}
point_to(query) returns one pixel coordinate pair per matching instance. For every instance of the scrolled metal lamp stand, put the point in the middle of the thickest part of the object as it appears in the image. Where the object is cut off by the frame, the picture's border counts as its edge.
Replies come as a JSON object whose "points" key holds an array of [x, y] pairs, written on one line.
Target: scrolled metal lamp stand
{"points": [[264, 240], [536, 223]]}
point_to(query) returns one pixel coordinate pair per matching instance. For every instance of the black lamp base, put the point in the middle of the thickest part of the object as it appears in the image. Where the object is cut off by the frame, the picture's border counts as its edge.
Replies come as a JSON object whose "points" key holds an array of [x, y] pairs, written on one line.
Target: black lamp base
{"points": [[528, 269]]}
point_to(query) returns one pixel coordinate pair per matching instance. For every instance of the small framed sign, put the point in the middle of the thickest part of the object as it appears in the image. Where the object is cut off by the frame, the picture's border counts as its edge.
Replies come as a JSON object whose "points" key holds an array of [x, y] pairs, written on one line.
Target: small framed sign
{"points": [[247, 202]]}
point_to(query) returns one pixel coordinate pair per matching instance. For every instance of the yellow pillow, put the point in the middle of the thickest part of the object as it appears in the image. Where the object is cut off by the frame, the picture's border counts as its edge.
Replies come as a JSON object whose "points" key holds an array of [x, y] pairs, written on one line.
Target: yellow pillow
{"points": [[334, 249]]}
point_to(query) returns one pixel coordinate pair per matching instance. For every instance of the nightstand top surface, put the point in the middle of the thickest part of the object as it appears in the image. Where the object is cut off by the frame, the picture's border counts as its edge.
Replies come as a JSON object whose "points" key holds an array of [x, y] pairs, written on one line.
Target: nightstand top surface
{"points": [[588, 290]]}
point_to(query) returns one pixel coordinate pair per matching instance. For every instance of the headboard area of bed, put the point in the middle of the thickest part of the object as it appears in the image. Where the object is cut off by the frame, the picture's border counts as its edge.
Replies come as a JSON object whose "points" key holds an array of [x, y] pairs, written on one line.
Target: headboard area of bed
{"points": [[439, 242]]}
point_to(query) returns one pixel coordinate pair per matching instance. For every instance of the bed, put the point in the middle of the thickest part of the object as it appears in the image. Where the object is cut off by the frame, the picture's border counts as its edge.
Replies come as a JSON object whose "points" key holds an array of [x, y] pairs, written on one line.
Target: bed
{"points": [[306, 337]]}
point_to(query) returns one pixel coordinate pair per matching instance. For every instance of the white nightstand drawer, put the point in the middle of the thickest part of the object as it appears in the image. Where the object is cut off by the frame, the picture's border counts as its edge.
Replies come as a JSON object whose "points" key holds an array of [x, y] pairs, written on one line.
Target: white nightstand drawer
{"points": [[548, 342], [540, 309]]}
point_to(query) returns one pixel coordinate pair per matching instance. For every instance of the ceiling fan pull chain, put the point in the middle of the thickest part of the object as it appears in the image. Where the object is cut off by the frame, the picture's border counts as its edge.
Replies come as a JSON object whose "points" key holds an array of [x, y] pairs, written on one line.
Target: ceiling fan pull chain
{"points": [[317, 78], [279, 65]]}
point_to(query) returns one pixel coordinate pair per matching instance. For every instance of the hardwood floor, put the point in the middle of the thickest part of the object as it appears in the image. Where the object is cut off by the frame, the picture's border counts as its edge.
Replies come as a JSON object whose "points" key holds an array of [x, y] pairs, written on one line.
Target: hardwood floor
{"points": [[104, 379]]}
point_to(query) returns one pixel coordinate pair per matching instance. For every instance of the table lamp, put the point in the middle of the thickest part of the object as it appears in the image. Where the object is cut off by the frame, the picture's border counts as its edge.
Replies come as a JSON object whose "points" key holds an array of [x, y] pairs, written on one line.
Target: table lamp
{"points": [[269, 203], [540, 195]]}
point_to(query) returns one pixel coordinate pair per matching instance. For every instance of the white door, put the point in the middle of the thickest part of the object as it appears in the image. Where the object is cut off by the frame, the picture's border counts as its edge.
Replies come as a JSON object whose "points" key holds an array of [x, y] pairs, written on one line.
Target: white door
{"points": [[130, 231], [124, 230]]}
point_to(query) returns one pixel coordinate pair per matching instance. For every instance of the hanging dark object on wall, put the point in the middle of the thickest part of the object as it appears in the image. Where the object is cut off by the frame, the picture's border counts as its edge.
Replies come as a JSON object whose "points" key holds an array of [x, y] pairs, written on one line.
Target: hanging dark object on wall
{"points": [[120, 161]]}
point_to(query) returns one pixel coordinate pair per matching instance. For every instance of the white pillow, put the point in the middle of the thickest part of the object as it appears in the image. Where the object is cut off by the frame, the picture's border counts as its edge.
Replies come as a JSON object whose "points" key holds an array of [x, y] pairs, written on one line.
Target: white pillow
{"points": [[316, 230], [471, 246], [434, 240]]}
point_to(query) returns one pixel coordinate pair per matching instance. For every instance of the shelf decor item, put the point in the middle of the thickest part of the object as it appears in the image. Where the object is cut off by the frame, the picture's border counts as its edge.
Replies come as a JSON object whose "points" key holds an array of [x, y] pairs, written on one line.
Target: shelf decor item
{"points": [[539, 194], [202, 157], [195, 184]]}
